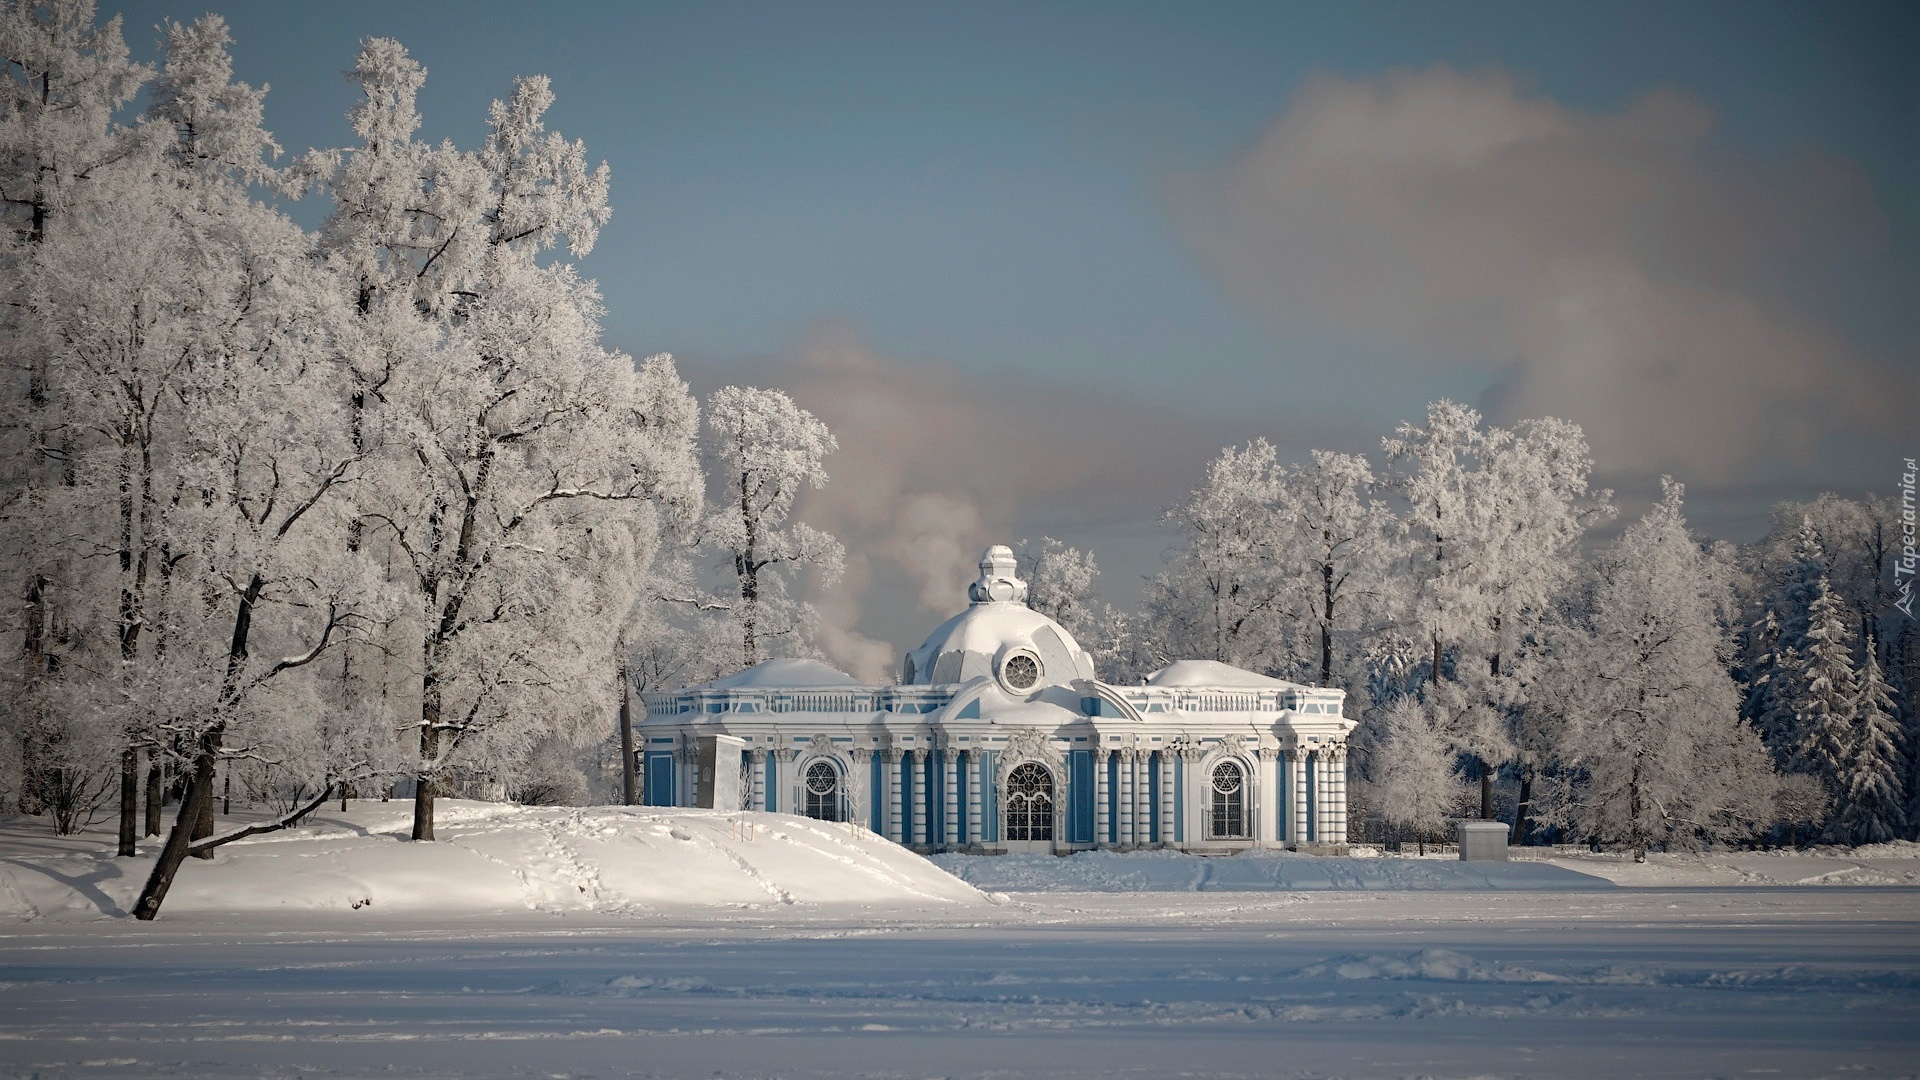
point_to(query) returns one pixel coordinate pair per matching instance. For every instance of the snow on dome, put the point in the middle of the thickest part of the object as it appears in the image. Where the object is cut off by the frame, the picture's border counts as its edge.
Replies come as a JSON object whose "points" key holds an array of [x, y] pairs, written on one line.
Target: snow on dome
{"points": [[1215, 673], [999, 636], [784, 672]]}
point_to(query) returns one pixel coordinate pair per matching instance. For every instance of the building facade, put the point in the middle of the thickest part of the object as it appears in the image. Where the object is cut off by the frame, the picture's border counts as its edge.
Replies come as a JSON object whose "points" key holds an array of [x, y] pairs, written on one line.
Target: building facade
{"points": [[1000, 738]]}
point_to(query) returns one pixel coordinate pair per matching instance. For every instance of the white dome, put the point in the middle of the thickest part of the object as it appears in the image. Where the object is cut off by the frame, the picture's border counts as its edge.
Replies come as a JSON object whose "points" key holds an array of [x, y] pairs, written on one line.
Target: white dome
{"points": [[991, 637]]}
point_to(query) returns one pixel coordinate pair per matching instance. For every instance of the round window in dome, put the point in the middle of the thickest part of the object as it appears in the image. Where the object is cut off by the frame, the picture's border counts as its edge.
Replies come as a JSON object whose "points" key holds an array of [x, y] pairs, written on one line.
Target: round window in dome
{"points": [[1021, 671]]}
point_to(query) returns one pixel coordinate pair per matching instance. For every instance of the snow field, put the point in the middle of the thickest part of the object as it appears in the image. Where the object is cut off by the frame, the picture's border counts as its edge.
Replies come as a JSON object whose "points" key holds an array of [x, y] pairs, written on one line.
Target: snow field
{"points": [[1602, 984], [630, 942]]}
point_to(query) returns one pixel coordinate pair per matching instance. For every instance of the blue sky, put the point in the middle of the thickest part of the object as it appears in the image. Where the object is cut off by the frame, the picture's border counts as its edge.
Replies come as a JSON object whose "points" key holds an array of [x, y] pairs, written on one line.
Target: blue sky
{"points": [[1122, 215]]}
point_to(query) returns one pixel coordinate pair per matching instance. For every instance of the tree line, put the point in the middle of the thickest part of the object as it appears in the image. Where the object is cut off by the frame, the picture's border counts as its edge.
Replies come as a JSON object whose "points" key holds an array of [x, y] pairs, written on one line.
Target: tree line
{"points": [[316, 510], [1655, 689]]}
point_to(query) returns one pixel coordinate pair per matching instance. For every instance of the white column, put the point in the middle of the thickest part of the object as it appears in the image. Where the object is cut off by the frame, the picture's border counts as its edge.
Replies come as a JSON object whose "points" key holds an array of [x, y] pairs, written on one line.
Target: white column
{"points": [[894, 817], [976, 783], [1297, 812], [1339, 816], [1266, 822], [1166, 798], [917, 806], [950, 774], [1100, 819], [1320, 797], [1126, 798], [1142, 798], [759, 796]]}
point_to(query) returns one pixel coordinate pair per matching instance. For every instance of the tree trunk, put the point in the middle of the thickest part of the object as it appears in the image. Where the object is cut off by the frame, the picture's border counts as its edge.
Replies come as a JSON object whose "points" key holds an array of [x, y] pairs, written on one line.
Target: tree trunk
{"points": [[1523, 813], [197, 803], [1486, 792], [203, 824], [156, 793], [199, 796], [129, 801], [1326, 624], [423, 782], [627, 779], [1633, 816]]}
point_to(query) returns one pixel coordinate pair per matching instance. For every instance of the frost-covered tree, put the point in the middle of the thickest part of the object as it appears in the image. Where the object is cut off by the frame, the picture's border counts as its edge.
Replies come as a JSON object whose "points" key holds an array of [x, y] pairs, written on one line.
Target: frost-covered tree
{"points": [[1845, 548], [1222, 596], [1412, 780], [260, 532], [167, 319], [1871, 809], [1337, 551], [1060, 585], [764, 450], [1060, 582], [1802, 805], [1494, 518], [1823, 692], [1653, 749], [1776, 646], [511, 447], [66, 79]]}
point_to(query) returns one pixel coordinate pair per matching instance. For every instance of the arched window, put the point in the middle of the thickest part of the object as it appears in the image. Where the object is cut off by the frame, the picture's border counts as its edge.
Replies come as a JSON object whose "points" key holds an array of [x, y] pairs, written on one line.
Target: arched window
{"points": [[823, 791], [1029, 804], [1229, 808]]}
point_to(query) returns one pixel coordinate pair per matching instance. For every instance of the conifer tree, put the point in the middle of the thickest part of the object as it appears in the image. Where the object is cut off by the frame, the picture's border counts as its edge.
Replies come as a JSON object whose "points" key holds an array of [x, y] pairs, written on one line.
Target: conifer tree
{"points": [[1870, 809], [1823, 692]]}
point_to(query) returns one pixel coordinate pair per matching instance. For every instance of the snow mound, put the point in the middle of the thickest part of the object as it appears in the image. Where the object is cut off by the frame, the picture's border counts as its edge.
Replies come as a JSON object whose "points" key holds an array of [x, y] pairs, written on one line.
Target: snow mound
{"points": [[1252, 871], [492, 858]]}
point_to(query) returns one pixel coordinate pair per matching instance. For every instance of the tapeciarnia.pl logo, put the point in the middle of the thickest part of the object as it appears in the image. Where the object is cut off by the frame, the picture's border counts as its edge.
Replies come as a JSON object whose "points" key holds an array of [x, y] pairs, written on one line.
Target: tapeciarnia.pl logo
{"points": [[1904, 566]]}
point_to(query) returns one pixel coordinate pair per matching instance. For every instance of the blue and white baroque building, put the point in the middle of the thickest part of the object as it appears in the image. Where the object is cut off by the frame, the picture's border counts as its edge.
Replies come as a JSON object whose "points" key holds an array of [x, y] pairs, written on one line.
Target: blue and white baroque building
{"points": [[999, 737]]}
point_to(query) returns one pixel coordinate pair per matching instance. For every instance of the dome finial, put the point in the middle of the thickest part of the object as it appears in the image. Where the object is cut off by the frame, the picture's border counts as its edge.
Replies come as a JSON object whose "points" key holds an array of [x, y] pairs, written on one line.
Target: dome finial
{"points": [[999, 582]]}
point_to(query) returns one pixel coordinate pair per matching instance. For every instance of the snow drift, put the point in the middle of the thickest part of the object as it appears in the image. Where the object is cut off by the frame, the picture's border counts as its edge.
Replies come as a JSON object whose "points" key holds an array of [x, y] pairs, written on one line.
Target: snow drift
{"points": [[495, 858]]}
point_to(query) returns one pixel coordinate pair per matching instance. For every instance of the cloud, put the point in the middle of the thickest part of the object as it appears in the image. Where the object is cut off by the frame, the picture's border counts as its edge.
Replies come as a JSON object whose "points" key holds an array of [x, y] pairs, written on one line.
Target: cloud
{"points": [[937, 461], [1608, 268]]}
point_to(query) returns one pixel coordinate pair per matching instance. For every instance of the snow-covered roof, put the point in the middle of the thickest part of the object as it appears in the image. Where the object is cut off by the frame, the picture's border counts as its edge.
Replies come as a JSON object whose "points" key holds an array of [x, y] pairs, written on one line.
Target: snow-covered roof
{"points": [[783, 672], [998, 624], [1215, 673]]}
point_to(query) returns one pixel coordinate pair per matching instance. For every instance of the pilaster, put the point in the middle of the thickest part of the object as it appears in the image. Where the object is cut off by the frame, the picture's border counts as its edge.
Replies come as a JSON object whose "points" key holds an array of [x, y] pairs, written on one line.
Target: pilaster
{"points": [[894, 817], [950, 781], [1166, 799], [976, 779], [917, 805]]}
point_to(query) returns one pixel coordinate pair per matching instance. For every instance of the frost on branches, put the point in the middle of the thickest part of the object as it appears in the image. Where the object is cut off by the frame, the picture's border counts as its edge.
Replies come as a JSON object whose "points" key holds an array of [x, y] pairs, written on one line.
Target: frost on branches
{"points": [[262, 485], [764, 450], [1653, 749]]}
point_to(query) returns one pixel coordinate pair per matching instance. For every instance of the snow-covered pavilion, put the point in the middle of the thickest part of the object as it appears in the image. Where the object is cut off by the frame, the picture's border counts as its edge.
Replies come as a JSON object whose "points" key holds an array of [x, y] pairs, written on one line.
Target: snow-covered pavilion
{"points": [[999, 737]]}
